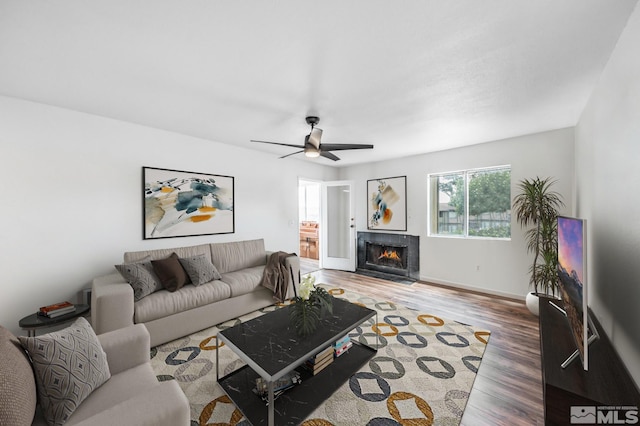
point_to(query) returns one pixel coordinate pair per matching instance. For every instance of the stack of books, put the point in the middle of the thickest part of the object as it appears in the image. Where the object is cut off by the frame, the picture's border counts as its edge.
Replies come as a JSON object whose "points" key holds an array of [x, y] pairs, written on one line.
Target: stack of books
{"points": [[57, 309], [318, 362], [342, 345]]}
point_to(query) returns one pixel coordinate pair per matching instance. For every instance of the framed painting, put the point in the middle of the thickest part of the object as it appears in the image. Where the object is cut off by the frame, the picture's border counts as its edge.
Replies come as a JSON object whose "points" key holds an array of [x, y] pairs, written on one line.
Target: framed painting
{"points": [[387, 204], [181, 204]]}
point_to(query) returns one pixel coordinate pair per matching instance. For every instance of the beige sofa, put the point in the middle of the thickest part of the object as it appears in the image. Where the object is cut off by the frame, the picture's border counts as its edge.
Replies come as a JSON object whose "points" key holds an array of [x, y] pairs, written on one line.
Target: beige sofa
{"points": [[131, 396], [170, 315]]}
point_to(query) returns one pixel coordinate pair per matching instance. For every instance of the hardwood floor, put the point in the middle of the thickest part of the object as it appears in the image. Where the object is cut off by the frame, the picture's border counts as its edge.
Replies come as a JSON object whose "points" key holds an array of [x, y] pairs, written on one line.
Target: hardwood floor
{"points": [[308, 265], [508, 387]]}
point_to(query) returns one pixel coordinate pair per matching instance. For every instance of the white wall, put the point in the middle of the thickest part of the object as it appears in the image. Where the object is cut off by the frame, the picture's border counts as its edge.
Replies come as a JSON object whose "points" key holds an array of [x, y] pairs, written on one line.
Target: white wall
{"points": [[72, 188], [608, 183], [453, 261], [72, 200]]}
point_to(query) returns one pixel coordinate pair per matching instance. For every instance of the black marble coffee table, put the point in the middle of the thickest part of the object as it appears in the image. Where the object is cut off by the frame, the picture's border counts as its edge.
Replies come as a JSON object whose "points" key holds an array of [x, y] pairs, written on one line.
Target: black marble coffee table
{"points": [[271, 348]]}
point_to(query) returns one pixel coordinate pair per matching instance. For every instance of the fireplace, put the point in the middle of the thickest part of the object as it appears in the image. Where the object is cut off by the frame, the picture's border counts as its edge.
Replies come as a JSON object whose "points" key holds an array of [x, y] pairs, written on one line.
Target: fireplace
{"points": [[389, 255]]}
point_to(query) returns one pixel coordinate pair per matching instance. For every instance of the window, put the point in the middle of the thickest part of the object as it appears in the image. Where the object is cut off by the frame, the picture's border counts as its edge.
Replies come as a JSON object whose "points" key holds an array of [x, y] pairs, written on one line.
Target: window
{"points": [[471, 203], [309, 201]]}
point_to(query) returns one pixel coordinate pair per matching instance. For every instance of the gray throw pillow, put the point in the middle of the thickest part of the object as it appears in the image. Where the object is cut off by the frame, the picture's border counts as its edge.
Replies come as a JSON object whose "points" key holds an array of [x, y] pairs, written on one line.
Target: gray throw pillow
{"points": [[68, 365], [141, 277], [200, 269]]}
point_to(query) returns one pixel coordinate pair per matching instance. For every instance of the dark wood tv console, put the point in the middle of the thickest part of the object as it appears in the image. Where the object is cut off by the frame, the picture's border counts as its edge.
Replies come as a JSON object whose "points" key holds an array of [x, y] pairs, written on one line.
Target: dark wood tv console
{"points": [[607, 383]]}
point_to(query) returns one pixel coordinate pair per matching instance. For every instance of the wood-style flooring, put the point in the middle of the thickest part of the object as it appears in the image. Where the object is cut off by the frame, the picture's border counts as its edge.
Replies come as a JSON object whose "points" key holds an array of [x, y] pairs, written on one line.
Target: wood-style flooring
{"points": [[508, 387]]}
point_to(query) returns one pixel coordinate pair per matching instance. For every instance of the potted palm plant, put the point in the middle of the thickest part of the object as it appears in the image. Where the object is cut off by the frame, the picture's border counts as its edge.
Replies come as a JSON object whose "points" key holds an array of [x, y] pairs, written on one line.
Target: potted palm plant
{"points": [[536, 207]]}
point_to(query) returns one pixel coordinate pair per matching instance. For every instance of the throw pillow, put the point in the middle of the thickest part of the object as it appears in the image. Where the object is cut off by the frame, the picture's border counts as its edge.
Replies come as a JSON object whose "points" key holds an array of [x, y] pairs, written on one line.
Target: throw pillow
{"points": [[200, 269], [68, 365], [170, 272], [141, 277], [17, 384]]}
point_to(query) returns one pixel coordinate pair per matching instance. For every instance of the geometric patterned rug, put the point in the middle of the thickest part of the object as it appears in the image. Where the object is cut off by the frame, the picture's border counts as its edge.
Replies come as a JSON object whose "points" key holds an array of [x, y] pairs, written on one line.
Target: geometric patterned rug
{"points": [[421, 375]]}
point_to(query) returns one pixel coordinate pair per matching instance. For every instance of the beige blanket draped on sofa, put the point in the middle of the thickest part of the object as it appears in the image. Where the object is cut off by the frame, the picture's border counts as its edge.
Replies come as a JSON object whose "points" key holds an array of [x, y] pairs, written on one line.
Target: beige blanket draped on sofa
{"points": [[277, 275]]}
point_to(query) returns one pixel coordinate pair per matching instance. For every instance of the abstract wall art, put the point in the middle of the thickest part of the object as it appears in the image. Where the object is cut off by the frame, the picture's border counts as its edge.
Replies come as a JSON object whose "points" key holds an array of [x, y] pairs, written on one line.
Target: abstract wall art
{"points": [[387, 203], [180, 204]]}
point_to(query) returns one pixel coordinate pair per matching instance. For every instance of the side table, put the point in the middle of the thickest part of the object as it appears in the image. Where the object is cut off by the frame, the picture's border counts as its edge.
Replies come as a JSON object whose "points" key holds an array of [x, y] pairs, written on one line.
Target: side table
{"points": [[34, 321]]}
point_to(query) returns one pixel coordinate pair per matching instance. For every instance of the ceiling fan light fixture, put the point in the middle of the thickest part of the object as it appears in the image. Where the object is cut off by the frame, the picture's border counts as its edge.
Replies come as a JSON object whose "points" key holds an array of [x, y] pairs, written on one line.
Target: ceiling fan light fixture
{"points": [[311, 153]]}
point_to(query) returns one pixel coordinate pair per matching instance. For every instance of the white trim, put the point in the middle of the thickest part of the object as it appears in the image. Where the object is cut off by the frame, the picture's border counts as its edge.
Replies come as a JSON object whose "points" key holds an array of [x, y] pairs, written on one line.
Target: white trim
{"points": [[483, 290]]}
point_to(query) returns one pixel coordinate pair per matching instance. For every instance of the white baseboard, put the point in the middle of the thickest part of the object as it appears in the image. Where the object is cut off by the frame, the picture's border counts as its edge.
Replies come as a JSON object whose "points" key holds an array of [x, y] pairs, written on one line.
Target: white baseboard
{"points": [[473, 288]]}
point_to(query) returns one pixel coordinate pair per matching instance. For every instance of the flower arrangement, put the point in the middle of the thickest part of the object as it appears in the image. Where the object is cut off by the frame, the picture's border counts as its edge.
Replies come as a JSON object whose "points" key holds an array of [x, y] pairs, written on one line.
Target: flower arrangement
{"points": [[309, 305]]}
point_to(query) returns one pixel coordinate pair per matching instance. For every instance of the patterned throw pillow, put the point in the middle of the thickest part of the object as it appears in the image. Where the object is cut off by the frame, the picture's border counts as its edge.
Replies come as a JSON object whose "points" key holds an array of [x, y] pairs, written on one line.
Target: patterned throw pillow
{"points": [[68, 364], [141, 277], [200, 269]]}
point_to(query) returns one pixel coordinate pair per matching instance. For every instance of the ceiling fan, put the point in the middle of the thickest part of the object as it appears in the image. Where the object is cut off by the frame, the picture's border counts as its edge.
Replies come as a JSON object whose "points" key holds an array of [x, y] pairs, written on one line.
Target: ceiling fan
{"points": [[313, 148]]}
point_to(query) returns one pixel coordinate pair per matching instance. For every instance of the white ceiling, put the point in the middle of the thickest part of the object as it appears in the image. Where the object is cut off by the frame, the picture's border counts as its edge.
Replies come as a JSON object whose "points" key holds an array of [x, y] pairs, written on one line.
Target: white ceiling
{"points": [[409, 77]]}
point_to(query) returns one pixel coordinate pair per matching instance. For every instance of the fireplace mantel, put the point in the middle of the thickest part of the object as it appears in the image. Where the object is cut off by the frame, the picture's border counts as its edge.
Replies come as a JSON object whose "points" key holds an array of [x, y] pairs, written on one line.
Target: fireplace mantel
{"points": [[408, 247]]}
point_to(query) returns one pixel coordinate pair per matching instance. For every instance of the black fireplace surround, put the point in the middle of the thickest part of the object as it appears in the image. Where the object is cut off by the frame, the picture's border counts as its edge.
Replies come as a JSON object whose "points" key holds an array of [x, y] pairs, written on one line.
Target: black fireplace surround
{"points": [[387, 254]]}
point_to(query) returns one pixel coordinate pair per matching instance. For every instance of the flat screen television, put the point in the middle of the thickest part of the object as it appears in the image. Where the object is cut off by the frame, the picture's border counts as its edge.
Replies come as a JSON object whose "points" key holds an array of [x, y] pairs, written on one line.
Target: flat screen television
{"points": [[572, 272]]}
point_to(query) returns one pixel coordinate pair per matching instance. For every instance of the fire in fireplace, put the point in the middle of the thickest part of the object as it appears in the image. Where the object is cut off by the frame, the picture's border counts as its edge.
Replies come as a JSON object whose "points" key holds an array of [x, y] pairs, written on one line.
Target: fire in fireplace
{"points": [[384, 255], [393, 255]]}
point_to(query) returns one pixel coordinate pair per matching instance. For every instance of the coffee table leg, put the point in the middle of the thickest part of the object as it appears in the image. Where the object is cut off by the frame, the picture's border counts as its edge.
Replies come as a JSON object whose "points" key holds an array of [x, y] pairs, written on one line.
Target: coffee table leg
{"points": [[217, 361], [271, 404], [377, 334]]}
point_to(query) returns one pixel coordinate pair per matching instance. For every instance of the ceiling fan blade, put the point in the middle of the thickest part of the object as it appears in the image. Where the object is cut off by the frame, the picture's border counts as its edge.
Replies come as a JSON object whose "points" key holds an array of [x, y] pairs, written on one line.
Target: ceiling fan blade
{"points": [[329, 155], [314, 137], [344, 146], [293, 153], [281, 144]]}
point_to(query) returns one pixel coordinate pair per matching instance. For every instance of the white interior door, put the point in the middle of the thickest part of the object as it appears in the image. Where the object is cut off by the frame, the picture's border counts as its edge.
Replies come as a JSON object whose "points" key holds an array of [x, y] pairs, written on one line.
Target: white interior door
{"points": [[337, 226]]}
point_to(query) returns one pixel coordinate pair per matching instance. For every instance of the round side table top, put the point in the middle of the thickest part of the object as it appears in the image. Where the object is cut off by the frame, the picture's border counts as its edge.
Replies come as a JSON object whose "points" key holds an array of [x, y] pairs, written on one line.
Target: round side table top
{"points": [[34, 321]]}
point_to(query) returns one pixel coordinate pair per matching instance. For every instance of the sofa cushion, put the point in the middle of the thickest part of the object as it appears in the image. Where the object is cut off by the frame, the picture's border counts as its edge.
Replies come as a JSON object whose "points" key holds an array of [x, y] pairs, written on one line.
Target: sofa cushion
{"points": [[163, 303], [136, 256], [200, 269], [234, 256], [141, 277], [170, 272], [119, 388], [68, 365], [17, 385], [244, 281]]}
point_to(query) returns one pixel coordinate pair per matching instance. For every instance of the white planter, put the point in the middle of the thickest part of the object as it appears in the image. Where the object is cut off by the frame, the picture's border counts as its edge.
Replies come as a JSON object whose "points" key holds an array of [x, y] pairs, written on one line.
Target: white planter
{"points": [[533, 303]]}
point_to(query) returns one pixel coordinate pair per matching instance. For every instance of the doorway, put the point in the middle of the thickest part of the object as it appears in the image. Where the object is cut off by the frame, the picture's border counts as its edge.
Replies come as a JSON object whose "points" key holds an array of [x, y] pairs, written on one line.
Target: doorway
{"points": [[309, 224], [338, 227]]}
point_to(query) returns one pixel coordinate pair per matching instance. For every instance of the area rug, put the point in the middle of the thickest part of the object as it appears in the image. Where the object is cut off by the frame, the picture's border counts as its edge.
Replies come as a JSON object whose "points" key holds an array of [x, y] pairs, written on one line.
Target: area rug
{"points": [[421, 375]]}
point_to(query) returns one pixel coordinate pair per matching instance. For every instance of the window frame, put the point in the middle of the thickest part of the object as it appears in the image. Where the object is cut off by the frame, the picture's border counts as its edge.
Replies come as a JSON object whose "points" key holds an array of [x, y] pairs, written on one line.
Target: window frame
{"points": [[433, 209]]}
